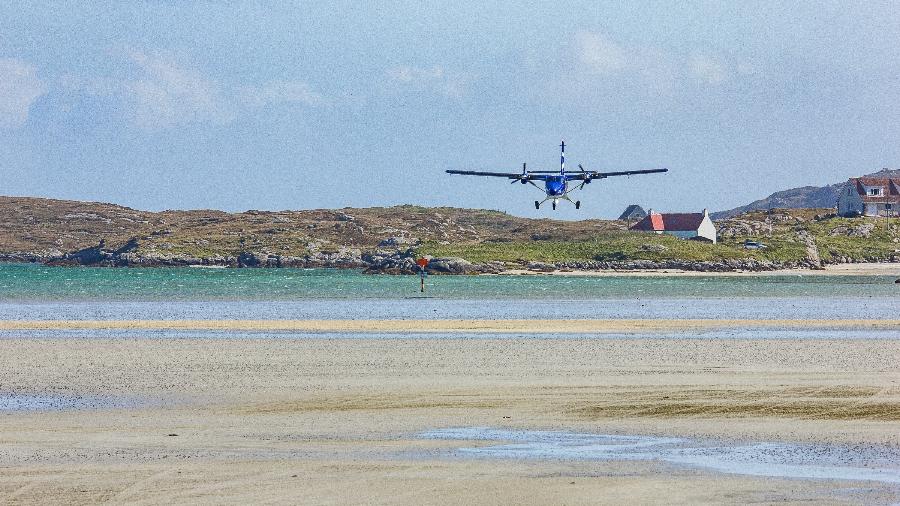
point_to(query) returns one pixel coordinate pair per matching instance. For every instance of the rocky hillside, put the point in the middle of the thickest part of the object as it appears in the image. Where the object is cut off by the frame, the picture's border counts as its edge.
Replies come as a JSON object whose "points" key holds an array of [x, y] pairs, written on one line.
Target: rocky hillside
{"points": [[800, 198], [389, 239], [34, 229]]}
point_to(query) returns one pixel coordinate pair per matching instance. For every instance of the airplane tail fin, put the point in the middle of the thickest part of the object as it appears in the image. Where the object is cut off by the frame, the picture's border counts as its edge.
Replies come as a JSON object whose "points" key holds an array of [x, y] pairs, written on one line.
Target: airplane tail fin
{"points": [[562, 157]]}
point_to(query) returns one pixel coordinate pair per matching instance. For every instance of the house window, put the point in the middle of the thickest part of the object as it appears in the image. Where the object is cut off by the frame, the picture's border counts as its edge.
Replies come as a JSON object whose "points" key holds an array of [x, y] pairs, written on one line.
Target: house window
{"points": [[888, 206], [874, 192]]}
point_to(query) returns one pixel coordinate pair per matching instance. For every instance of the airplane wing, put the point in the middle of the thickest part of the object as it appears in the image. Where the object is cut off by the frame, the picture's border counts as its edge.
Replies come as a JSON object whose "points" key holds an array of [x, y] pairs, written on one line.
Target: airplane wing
{"points": [[586, 175], [538, 175], [508, 175]]}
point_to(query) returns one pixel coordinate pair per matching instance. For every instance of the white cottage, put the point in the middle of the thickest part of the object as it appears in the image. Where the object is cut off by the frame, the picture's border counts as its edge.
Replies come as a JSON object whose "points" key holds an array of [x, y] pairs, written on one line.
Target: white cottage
{"points": [[870, 196], [683, 225]]}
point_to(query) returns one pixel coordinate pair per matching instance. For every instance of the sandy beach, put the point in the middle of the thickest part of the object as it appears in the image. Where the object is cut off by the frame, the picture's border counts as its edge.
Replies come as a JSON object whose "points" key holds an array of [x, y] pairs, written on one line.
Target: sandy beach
{"points": [[336, 421], [850, 269]]}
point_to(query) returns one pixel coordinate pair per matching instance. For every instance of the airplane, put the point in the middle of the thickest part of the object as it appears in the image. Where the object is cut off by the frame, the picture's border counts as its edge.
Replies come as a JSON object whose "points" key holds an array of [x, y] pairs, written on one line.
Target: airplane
{"points": [[556, 183]]}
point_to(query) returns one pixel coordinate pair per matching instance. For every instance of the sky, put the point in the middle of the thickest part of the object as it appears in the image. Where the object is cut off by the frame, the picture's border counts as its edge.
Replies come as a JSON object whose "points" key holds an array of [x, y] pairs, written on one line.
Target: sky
{"points": [[299, 105]]}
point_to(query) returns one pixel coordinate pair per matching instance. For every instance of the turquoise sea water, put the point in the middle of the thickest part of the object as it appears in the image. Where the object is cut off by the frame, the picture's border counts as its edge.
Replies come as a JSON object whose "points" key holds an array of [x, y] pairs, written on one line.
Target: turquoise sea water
{"points": [[34, 292], [26, 282]]}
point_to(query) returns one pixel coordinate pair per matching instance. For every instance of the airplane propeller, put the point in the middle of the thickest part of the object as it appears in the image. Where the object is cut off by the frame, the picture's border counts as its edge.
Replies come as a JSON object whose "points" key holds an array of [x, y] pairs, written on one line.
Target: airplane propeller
{"points": [[524, 178], [584, 181]]}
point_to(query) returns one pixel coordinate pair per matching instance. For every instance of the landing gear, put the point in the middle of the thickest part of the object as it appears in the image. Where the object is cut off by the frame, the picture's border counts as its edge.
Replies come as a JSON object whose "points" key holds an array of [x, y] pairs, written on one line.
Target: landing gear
{"points": [[537, 205], [577, 204]]}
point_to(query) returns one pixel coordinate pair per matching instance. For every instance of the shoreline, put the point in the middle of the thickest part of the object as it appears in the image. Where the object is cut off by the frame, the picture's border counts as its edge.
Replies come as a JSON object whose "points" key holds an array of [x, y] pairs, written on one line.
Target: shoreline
{"points": [[848, 269]]}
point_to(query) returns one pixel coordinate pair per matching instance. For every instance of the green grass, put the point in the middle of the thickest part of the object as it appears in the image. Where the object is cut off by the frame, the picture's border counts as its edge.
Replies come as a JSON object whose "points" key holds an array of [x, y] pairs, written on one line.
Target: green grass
{"points": [[779, 248], [784, 245], [878, 246], [608, 246]]}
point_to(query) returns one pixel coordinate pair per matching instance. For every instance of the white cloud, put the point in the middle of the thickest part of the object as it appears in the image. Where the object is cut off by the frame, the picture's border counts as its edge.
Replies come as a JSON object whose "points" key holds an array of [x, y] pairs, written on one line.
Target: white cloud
{"points": [[707, 69], [280, 91], [166, 92], [19, 88], [434, 78], [407, 74], [652, 69], [600, 54], [657, 69], [649, 68], [169, 93], [751, 67]]}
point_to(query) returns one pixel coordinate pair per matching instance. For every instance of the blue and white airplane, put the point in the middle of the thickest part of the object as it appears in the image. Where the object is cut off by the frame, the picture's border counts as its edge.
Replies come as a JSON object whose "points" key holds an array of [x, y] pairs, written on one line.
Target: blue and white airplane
{"points": [[556, 183]]}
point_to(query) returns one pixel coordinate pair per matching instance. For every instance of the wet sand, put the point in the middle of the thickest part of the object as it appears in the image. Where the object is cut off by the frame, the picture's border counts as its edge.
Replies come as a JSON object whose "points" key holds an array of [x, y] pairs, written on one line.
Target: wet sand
{"points": [[573, 326], [336, 421]]}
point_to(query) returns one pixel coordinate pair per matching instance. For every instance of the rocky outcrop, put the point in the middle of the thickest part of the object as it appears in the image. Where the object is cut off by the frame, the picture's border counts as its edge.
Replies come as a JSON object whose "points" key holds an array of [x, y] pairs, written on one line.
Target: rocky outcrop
{"points": [[812, 251], [396, 242], [862, 230], [247, 259], [404, 262], [541, 267], [743, 228], [29, 258]]}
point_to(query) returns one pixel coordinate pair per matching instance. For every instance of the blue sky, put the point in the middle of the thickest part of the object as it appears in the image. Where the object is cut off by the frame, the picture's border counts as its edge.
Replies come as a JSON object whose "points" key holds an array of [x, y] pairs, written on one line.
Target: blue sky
{"points": [[266, 105]]}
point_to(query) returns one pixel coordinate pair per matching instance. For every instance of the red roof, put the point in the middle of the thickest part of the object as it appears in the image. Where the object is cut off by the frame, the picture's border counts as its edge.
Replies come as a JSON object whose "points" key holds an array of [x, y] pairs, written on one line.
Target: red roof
{"points": [[890, 188], [671, 222]]}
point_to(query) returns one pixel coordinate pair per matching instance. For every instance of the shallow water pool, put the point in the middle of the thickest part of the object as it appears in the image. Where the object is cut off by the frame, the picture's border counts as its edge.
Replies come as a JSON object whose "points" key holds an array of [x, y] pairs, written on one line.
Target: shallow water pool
{"points": [[776, 459]]}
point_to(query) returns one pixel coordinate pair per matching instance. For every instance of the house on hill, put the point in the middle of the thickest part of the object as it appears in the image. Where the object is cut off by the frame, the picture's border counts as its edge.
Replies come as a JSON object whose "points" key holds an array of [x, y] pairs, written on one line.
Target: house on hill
{"points": [[633, 212], [683, 225], [870, 196]]}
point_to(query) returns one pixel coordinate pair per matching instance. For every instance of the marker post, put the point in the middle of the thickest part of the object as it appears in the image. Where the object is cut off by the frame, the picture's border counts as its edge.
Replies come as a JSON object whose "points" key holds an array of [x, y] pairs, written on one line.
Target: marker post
{"points": [[422, 263]]}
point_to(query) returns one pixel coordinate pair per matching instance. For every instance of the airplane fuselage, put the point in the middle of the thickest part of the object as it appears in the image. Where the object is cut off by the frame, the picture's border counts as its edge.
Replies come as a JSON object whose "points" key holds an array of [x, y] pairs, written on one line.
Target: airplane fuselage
{"points": [[556, 186]]}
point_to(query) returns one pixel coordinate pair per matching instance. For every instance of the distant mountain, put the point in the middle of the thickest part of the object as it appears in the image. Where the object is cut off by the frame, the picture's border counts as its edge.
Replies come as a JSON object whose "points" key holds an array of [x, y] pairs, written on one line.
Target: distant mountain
{"points": [[797, 198]]}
